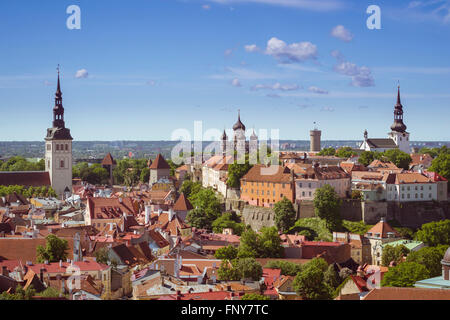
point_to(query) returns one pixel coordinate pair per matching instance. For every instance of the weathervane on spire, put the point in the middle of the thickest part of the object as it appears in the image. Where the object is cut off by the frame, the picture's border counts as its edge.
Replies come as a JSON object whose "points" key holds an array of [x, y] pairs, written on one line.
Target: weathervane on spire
{"points": [[57, 69]]}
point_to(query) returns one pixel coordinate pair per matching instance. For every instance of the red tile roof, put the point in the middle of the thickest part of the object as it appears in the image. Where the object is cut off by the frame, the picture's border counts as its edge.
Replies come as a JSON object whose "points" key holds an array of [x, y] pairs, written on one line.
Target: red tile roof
{"points": [[159, 163], [108, 160], [54, 267], [111, 208], [215, 295], [383, 228], [25, 178], [182, 204], [389, 293]]}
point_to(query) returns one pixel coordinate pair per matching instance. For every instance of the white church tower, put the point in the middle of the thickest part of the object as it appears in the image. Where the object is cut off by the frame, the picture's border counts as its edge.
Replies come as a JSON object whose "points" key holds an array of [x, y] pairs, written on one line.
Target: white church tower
{"points": [[58, 149], [398, 133]]}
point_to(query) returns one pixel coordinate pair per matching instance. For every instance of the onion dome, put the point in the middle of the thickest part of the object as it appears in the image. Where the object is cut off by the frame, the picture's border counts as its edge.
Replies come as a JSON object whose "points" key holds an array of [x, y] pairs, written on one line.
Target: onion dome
{"points": [[239, 125]]}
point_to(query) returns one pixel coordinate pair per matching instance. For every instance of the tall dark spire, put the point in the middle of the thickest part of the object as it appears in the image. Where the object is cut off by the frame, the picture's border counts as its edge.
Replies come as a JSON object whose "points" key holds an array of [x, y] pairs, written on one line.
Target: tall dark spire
{"points": [[398, 124], [58, 109], [239, 125]]}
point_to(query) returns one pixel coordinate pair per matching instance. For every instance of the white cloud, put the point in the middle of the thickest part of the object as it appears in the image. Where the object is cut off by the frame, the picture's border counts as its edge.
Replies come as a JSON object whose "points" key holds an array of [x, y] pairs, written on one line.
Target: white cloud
{"points": [[251, 48], [361, 76], [317, 90], [313, 5], [206, 7], [236, 83], [151, 83], [294, 52], [341, 33], [276, 86], [82, 74]]}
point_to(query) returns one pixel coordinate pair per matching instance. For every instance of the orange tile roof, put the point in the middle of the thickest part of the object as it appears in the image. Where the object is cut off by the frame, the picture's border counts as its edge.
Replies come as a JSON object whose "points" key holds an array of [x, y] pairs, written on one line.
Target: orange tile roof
{"points": [[256, 174], [390, 293], [383, 228], [182, 204], [108, 160], [111, 208], [159, 163]]}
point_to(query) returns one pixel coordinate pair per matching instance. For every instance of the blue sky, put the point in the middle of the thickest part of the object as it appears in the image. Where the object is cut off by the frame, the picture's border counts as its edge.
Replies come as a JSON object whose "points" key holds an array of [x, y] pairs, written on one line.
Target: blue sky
{"points": [[148, 67]]}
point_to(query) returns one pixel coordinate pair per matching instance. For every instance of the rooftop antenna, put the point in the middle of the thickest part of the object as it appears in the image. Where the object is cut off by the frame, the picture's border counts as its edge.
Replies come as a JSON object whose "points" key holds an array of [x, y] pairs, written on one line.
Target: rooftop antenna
{"points": [[315, 125]]}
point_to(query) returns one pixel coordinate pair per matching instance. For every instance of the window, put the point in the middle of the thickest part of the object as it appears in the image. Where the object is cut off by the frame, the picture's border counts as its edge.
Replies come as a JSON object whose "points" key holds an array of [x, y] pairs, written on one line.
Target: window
{"points": [[416, 188], [403, 196], [309, 185], [49, 147], [57, 147], [421, 195], [429, 195], [67, 147], [262, 192], [252, 190], [282, 185], [416, 196], [421, 187], [300, 184], [62, 164], [274, 193], [408, 188], [408, 195], [310, 193], [303, 193], [429, 187]]}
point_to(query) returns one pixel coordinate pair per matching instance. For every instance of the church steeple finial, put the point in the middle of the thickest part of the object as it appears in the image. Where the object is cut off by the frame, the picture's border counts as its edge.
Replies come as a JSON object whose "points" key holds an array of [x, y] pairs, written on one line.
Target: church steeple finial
{"points": [[398, 124], [58, 109]]}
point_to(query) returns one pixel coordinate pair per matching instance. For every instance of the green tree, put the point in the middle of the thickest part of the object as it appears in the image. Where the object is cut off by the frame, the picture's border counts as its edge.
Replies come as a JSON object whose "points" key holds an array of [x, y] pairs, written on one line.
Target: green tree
{"points": [[430, 257], [207, 209], [227, 272], [145, 175], [248, 268], [310, 282], [54, 250], [254, 296], [406, 274], [393, 253], [399, 158], [331, 277], [270, 243], [101, 256], [250, 245], [285, 214], [435, 233], [228, 220], [345, 152], [19, 294], [190, 188], [287, 268], [441, 165], [366, 157], [327, 206], [327, 152], [358, 227], [235, 172], [226, 253]]}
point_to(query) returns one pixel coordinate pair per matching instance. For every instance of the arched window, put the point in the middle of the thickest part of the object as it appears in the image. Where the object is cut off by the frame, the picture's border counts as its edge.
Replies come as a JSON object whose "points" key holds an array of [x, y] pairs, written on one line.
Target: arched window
{"points": [[62, 163], [57, 147]]}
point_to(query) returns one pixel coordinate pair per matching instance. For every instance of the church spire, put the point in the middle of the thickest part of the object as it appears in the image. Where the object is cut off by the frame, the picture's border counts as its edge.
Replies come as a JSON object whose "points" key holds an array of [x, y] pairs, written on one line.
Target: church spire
{"points": [[58, 109], [398, 124]]}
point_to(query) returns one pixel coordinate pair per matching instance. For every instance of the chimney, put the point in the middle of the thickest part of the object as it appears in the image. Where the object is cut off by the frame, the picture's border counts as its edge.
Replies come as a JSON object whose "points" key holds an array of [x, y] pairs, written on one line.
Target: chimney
{"points": [[41, 275], [5, 271], [147, 214], [171, 214]]}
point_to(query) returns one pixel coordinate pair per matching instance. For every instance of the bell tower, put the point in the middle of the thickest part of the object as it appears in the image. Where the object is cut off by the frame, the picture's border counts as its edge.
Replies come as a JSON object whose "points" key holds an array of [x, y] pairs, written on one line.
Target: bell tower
{"points": [[398, 133], [58, 149]]}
